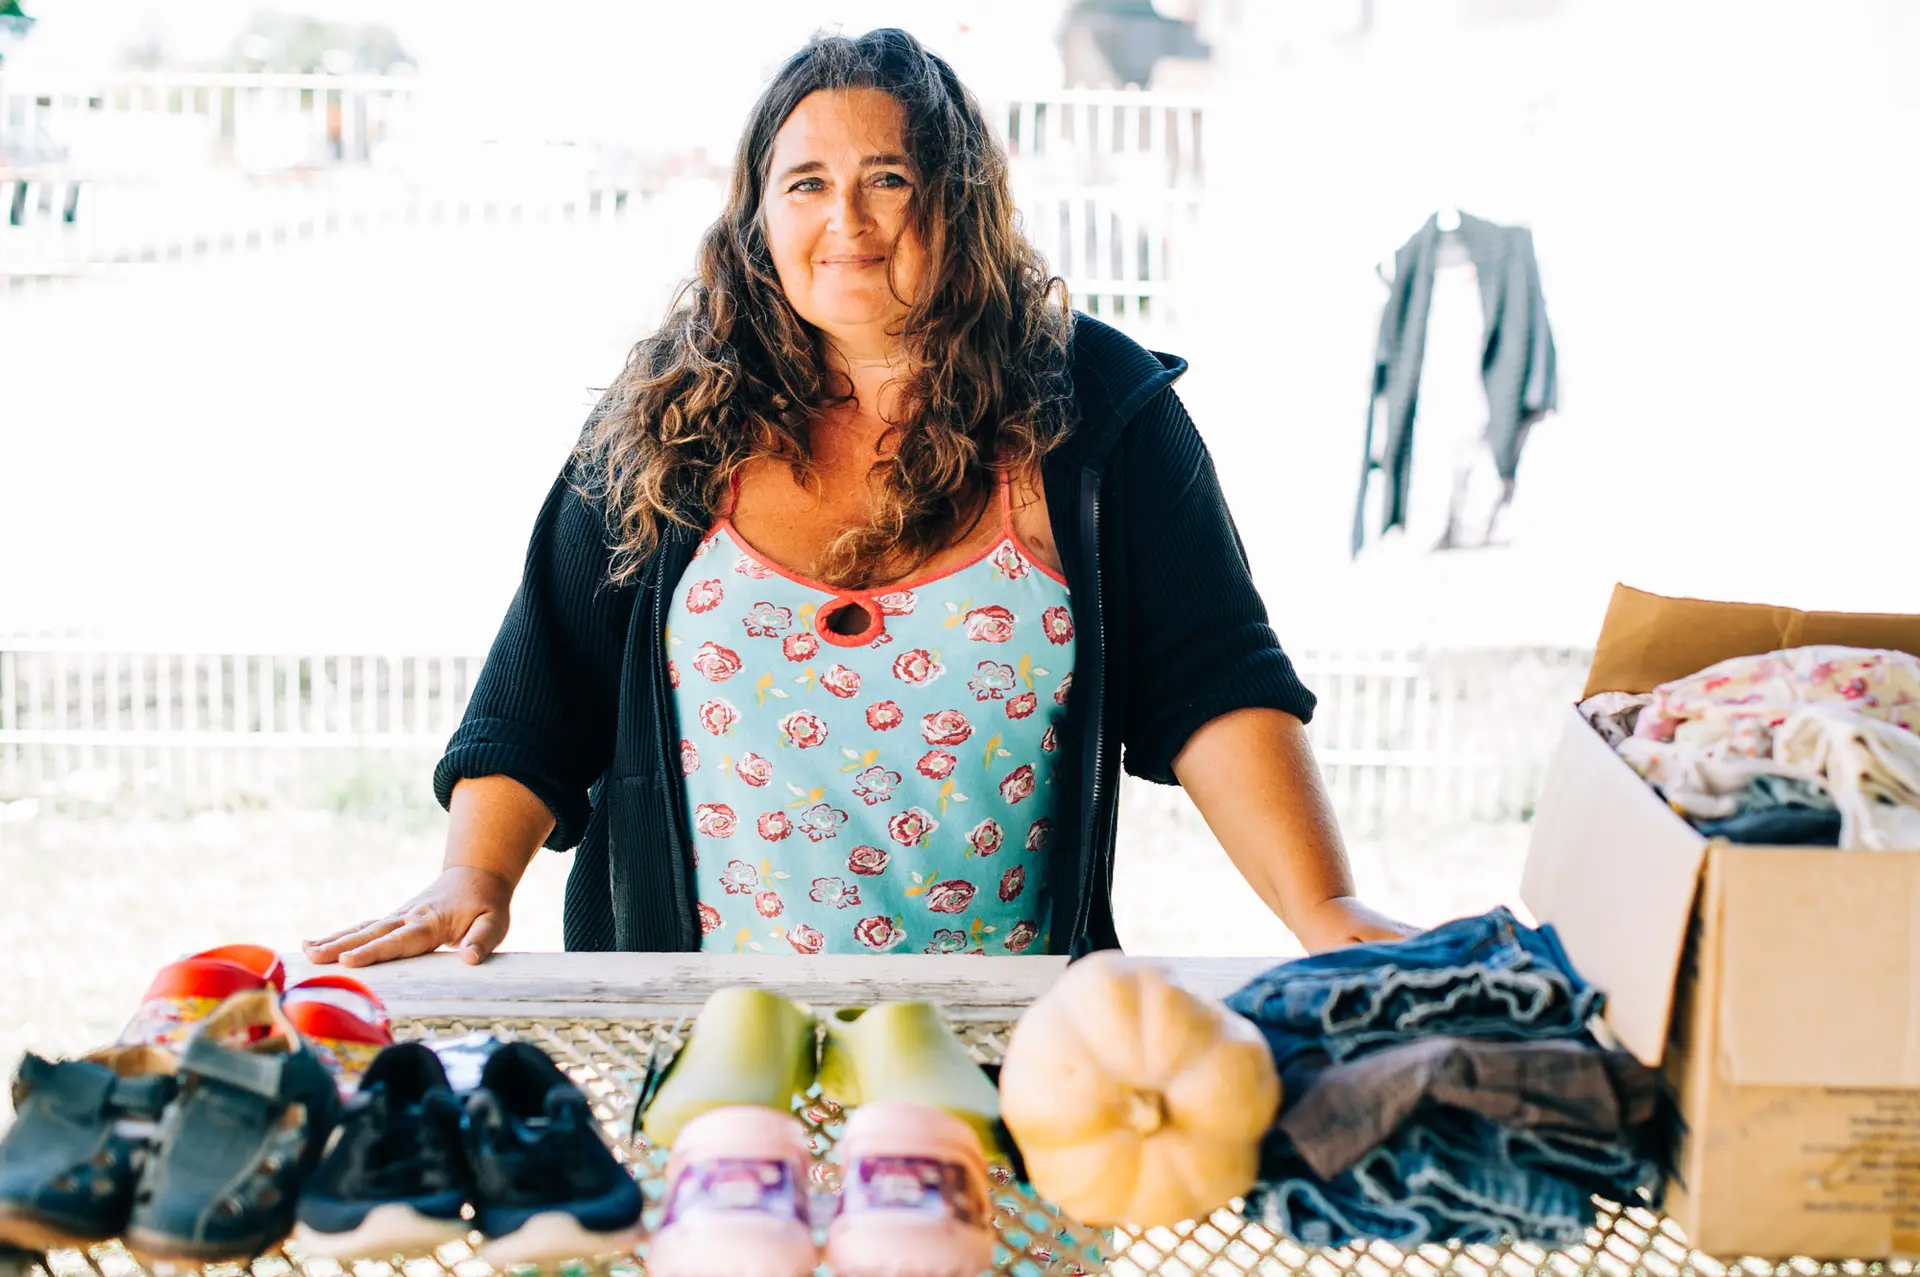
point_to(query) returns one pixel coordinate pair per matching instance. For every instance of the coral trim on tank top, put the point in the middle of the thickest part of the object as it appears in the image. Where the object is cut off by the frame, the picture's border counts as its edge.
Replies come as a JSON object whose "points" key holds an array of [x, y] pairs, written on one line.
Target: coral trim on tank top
{"points": [[840, 598]]}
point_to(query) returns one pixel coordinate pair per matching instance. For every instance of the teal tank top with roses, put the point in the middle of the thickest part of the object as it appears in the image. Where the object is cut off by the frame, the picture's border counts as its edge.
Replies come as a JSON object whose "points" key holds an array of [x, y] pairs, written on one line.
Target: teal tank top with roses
{"points": [[889, 791]]}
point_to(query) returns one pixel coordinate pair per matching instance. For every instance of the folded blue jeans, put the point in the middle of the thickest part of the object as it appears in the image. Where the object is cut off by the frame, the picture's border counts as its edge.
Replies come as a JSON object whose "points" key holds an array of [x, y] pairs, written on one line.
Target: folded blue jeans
{"points": [[1482, 977], [1447, 1174], [1454, 1176]]}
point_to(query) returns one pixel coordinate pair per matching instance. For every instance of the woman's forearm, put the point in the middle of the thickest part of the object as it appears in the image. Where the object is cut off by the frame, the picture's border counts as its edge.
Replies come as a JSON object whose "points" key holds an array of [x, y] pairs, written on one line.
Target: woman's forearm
{"points": [[1252, 775], [497, 825]]}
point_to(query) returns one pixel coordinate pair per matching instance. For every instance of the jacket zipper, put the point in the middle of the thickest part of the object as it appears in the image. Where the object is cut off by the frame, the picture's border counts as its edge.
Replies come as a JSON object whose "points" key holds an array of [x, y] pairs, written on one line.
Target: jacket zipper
{"points": [[666, 749], [1095, 753]]}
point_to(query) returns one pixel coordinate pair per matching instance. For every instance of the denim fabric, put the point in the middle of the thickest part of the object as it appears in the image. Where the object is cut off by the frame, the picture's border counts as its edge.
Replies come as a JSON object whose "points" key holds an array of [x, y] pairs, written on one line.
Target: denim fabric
{"points": [[1452, 1176], [1446, 1174], [1481, 977], [1788, 826]]}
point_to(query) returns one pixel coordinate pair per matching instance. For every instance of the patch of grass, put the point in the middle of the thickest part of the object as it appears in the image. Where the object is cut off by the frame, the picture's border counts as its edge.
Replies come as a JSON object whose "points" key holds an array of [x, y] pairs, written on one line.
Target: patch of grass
{"points": [[395, 790]]}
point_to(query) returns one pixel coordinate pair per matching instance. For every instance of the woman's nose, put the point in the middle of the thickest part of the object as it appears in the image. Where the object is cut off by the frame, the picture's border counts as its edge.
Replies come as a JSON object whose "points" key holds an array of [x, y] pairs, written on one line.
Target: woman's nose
{"points": [[850, 212]]}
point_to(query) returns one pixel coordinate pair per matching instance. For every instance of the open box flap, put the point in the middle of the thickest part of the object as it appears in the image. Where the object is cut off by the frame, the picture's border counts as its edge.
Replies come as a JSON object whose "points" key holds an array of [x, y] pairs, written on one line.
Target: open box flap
{"points": [[1819, 965], [1649, 639], [1614, 870]]}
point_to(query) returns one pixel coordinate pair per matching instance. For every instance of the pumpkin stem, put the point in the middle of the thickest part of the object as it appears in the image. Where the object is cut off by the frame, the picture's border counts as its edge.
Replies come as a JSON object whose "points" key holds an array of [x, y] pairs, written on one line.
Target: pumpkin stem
{"points": [[1146, 1111]]}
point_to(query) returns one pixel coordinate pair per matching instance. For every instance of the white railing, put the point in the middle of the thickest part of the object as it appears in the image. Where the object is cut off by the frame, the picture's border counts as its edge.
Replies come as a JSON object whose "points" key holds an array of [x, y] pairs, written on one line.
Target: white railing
{"points": [[1117, 252], [1117, 257], [1085, 136], [97, 174], [157, 123], [97, 722], [1440, 736], [1118, 248], [1445, 736], [127, 225]]}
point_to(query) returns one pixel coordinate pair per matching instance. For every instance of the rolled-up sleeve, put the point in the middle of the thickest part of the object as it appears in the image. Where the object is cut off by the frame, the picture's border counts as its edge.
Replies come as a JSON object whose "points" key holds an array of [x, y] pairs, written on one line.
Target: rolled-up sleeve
{"points": [[546, 704], [1198, 642]]}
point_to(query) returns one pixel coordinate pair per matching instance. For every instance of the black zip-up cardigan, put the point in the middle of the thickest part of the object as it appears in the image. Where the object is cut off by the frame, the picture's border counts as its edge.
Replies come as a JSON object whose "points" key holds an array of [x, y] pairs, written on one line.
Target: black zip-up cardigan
{"points": [[574, 701]]}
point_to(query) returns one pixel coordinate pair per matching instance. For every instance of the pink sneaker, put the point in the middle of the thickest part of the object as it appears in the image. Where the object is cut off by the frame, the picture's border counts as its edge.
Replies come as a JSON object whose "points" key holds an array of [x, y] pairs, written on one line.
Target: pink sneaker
{"points": [[737, 1199], [913, 1196]]}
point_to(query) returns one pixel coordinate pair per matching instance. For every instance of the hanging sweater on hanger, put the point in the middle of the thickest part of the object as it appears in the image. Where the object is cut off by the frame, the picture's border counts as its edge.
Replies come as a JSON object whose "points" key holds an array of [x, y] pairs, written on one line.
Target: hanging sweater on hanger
{"points": [[1517, 362]]}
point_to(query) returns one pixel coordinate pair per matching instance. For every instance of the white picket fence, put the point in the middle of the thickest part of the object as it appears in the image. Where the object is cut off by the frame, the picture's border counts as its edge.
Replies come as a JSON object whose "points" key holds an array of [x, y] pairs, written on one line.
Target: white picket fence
{"points": [[1436, 737]]}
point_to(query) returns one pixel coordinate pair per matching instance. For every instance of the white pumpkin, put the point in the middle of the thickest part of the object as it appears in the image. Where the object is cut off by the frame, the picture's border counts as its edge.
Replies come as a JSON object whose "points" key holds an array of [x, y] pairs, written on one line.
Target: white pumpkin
{"points": [[1134, 1100]]}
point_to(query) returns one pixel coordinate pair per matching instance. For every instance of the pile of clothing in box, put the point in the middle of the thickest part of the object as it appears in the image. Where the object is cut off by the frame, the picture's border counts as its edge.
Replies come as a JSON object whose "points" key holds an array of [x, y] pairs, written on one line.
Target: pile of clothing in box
{"points": [[1449, 1088], [1808, 747]]}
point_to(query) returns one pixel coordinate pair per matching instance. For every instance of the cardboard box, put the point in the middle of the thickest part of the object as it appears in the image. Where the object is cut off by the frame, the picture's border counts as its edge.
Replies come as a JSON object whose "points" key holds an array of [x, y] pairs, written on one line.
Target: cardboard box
{"points": [[1779, 987]]}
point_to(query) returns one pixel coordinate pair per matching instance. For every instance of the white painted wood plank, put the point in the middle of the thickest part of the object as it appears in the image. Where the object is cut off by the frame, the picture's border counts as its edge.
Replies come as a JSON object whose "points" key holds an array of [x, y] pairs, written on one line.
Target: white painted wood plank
{"points": [[618, 985]]}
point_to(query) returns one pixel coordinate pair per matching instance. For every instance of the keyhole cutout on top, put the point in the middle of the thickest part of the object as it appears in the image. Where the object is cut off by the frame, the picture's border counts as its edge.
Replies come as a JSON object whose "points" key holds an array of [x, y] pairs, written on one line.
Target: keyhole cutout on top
{"points": [[849, 619]]}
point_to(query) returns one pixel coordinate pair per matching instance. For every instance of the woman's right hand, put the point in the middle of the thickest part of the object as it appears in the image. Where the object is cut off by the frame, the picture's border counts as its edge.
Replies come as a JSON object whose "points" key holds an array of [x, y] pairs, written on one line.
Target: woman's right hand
{"points": [[464, 907]]}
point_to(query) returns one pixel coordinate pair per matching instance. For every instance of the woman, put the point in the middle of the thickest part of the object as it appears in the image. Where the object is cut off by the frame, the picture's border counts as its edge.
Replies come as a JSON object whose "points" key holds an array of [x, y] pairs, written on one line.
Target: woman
{"points": [[867, 572]]}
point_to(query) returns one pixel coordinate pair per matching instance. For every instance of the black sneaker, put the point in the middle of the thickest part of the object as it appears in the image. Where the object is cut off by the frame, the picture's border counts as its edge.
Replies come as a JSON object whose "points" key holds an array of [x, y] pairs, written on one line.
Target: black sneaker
{"points": [[69, 1165], [395, 1180], [546, 1185]]}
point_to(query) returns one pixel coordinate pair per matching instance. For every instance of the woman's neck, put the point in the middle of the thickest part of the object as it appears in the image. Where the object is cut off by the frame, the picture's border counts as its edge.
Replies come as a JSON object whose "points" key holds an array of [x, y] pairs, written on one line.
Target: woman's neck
{"points": [[870, 369]]}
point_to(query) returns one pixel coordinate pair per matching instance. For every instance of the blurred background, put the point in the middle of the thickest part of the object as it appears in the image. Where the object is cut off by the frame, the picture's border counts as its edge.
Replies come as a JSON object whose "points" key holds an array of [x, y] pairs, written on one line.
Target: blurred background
{"points": [[301, 308]]}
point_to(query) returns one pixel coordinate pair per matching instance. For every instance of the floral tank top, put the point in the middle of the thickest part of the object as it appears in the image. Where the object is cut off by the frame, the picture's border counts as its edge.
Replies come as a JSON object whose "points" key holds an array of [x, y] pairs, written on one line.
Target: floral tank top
{"points": [[889, 791]]}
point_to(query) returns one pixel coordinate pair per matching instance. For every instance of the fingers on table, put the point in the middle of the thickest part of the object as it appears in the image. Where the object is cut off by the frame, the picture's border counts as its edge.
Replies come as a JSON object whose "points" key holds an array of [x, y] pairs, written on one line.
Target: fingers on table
{"points": [[484, 936], [328, 948], [403, 941]]}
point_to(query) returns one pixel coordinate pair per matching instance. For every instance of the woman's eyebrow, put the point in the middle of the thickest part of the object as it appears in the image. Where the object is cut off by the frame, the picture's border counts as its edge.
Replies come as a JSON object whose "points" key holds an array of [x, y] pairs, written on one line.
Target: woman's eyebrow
{"points": [[804, 166], [817, 166]]}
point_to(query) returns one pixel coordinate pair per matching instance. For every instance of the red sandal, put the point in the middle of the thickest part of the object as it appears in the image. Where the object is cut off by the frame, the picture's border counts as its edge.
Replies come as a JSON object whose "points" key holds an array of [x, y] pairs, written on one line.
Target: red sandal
{"points": [[186, 992], [343, 1023]]}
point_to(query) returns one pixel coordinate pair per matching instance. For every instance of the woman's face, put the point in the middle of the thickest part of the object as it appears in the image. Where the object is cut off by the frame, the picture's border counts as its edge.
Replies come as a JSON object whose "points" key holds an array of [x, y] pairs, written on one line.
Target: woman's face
{"points": [[838, 217]]}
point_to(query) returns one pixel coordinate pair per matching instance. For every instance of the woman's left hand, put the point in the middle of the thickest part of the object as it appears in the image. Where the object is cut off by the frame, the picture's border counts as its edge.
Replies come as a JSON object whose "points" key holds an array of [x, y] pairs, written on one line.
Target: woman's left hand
{"points": [[1344, 920], [1252, 775]]}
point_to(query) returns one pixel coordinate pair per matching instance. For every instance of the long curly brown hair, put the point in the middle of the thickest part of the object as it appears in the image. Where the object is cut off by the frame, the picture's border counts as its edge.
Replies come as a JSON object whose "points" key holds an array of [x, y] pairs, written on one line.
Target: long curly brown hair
{"points": [[734, 374]]}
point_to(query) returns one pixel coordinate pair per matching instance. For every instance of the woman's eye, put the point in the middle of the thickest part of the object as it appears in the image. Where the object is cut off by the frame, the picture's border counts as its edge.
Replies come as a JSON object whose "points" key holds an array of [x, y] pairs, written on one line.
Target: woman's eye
{"points": [[889, 180], [807, 184]]}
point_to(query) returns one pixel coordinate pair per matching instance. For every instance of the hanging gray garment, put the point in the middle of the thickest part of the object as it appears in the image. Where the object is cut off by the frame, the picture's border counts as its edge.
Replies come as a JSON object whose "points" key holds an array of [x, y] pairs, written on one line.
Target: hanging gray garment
{"points": [[1518, 363]]}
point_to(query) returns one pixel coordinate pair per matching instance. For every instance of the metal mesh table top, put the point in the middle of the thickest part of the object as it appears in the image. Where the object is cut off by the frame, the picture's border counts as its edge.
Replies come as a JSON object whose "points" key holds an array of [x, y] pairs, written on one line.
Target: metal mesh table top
{"points": [[608, 1059]]}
